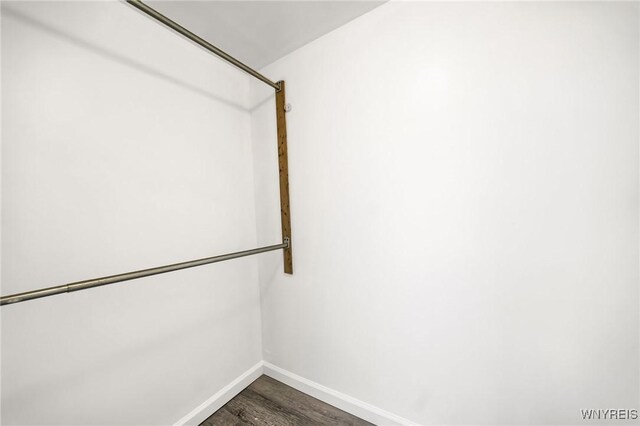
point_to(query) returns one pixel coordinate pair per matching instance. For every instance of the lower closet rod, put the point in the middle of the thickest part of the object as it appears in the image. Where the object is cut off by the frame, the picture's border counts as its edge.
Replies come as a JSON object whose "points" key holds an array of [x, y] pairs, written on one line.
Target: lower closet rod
{"points": [[112, 279]]}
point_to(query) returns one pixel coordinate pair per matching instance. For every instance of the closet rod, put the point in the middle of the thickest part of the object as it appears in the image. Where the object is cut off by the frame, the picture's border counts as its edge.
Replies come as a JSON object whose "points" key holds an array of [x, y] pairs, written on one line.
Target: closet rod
{"points": [[112, 279], [191, 36]]}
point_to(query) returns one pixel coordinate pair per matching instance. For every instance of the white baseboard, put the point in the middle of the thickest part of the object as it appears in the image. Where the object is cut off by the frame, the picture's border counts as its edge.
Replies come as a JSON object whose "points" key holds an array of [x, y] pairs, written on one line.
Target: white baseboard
{"points": [[204, 410], [344, 402]]}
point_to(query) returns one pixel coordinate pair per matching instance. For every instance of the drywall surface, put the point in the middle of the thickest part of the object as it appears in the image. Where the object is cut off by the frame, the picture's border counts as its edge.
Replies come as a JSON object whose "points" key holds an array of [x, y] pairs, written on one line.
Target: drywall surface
{"points": [[464, 201], [124, 147], [260, 32]]}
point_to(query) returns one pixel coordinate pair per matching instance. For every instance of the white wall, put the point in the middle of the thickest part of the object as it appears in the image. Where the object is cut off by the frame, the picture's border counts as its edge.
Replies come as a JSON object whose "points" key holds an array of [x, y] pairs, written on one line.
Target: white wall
{"points": [[124, 147], [464, 195]]}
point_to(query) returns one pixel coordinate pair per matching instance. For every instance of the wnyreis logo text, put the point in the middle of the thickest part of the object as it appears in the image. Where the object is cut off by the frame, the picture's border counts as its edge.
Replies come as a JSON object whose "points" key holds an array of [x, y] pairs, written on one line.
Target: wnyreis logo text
{"points": [[610, 414]]}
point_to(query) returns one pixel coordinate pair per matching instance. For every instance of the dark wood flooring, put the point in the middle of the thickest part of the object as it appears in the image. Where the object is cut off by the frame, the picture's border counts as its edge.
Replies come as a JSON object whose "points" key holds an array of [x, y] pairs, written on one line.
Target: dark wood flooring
{"points": [[270, 402]]}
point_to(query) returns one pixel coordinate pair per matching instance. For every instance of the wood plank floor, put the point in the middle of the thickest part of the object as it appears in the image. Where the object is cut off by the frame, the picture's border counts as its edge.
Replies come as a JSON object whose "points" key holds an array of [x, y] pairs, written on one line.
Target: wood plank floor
{"points": [[270, 402]]}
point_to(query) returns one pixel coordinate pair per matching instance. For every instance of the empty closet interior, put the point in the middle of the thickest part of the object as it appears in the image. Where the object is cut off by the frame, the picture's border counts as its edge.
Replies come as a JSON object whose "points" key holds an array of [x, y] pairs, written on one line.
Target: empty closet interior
{"points": [[353, 212]]}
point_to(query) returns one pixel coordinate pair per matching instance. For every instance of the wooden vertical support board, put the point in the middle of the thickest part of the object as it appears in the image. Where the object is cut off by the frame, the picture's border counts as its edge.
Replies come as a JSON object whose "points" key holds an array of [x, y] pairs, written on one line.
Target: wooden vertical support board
{"points": [[283, 164]]}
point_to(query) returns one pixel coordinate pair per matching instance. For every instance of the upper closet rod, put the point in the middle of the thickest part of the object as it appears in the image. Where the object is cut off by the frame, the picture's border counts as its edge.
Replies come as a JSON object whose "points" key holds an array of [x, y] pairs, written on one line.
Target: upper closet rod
{"points": [[191, 36]]}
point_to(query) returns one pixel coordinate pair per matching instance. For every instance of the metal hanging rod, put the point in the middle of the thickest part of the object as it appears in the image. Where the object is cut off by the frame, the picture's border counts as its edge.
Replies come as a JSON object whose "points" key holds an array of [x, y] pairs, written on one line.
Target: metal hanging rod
{"points": [[112, 279], [284, 189], [191, 36]]}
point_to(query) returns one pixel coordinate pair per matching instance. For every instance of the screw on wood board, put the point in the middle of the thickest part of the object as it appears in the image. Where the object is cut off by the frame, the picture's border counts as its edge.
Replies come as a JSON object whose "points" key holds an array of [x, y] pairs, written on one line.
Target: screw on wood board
{"points": [[287, 107]]}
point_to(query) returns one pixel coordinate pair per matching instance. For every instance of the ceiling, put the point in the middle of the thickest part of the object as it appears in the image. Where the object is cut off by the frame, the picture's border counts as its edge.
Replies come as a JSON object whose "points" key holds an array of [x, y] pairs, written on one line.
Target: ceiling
{"points": [[260, 32]]}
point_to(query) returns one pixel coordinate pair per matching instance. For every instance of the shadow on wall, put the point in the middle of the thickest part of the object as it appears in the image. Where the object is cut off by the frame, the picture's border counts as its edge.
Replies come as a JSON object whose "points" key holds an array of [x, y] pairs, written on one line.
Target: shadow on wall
{"points": [[13, 14], [110, 362], [260, 102]]}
